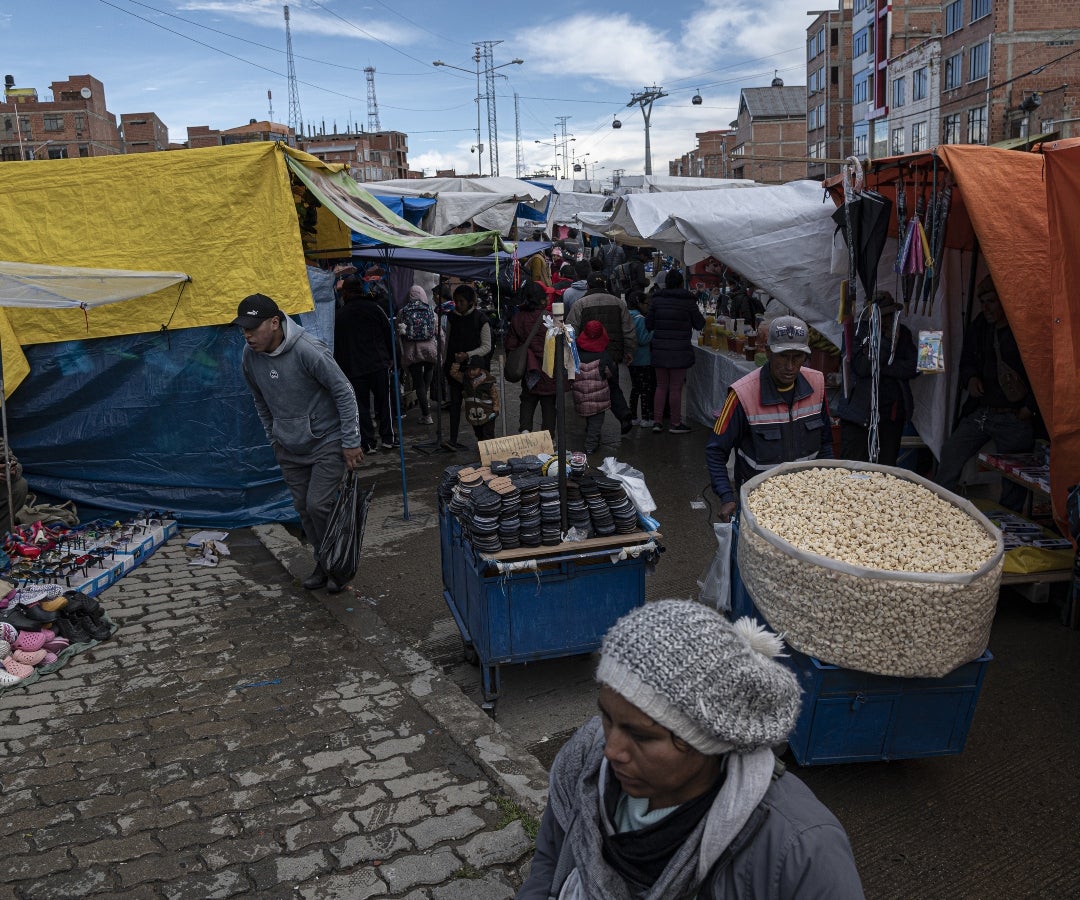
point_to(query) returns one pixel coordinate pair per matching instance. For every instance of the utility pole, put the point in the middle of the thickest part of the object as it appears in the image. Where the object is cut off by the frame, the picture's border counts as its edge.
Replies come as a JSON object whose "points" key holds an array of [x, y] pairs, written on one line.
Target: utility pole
{"points": [[560, 123], [486, 49], [296, 118], [519, 159], [372, 104], [645, 100]]}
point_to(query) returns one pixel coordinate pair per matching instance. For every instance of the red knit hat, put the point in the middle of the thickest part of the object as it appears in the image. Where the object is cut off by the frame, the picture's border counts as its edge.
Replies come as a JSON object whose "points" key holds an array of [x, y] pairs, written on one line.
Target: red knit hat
{"points": [[593, 338]]}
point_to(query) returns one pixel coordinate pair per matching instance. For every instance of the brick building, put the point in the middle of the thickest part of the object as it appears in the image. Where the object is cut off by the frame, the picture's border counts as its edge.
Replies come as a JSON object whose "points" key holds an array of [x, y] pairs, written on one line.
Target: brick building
{"points": [[770, 129], [143, 133], [205, 136], [710, 159], [74, 123], [1011, 69], [915, 95], [371, 156], [828, 90]]}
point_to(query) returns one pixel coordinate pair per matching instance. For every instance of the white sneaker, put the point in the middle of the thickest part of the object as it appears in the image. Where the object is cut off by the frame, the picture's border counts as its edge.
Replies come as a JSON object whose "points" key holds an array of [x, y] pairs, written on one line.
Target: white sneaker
{"points": [[646, 423], [426, 420]]}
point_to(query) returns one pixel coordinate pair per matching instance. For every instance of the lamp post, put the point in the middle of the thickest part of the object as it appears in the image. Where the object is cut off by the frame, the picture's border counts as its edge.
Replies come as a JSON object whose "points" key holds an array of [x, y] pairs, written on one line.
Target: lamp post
{"points": [[479, 146], [645, 100], [553, 143]]}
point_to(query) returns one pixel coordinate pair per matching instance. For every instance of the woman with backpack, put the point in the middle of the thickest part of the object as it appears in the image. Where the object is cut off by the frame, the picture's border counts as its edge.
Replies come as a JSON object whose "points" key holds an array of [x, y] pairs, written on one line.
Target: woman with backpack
{"points": [[416, 326], [537, 388]]}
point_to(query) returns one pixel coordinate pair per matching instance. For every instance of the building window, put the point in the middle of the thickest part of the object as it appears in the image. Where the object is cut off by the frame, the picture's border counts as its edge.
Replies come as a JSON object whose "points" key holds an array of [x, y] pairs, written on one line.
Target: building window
{"points": [[918, 137], [834, 75], [953, 69], [954, 16], [950, 129], [897, 148], [58, 153], [858, 92], [860, 5], [80, 122], [859, 43], [834, 37], [54, 123], [1047, 126], [979, 9], [860, 145], [898, 91], [918, 84], [977, 125], [979, 61]]}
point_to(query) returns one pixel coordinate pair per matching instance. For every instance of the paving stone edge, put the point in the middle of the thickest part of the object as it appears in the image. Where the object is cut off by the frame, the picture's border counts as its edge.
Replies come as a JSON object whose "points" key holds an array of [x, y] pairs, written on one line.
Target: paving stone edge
{"points": [[517, 772]]}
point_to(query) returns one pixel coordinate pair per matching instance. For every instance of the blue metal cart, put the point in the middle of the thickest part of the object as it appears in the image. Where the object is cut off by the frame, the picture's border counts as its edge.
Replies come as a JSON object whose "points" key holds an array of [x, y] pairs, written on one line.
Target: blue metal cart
{"points": [[512, 607]]}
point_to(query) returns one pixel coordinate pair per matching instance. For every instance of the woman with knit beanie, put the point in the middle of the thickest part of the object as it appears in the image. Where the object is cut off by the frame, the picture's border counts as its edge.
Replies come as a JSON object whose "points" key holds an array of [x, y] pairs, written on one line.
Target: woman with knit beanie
{"points": [[673, 791]]}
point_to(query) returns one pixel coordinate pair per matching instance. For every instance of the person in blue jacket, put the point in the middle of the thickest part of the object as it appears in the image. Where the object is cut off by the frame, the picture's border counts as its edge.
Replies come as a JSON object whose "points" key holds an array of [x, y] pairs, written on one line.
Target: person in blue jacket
{"points": [[674, 791]]}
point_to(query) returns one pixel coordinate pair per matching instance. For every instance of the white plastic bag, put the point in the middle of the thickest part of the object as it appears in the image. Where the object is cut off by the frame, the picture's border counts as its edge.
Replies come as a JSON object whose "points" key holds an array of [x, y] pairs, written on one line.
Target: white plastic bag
{"points": [[633, 481], [715, 584]]}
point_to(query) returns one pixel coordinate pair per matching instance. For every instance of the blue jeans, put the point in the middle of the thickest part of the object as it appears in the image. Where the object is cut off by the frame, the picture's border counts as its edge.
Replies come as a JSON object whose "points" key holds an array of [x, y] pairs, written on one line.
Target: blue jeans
{"points": [[1009, 434]]}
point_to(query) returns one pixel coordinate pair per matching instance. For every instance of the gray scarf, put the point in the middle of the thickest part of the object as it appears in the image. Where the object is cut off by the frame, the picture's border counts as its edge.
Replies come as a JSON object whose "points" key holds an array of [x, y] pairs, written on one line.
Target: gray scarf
{"points": [[576, 799]]}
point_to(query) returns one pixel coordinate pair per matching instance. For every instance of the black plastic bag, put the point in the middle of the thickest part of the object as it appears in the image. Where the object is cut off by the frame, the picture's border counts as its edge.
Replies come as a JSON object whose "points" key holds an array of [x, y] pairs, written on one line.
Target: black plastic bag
{"points": [[339, 553]]}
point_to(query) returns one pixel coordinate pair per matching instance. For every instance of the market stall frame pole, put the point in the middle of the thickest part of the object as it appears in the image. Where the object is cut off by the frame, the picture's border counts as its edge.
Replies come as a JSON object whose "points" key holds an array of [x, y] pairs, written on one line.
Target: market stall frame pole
{"points": [[435, 446], [560, 408], [397, 388]]}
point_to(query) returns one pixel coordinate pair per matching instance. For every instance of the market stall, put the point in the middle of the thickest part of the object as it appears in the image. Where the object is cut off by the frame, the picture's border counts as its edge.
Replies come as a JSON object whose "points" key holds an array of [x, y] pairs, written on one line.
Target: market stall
{"points": [[713, 372], [539, 561], [884, 586]]}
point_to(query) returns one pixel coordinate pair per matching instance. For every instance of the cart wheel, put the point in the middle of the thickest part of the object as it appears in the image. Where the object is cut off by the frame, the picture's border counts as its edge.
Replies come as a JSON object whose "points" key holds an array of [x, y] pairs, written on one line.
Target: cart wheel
{"points": [[471, 656]]}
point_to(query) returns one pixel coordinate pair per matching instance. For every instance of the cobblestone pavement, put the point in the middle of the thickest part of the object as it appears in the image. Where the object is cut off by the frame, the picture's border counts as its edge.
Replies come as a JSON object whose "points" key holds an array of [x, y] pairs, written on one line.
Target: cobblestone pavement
{"points": [[235, 738]]}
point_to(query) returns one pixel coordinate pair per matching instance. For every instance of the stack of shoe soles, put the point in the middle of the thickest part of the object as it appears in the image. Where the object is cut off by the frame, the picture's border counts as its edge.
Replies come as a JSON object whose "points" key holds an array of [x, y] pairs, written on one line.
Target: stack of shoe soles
{"points": [[482, 520], [33, 635], [622, 509], [550, 512], [510, 513], [447, 482], [529, 485], [577, 510], [603, 522], [468, 479]]}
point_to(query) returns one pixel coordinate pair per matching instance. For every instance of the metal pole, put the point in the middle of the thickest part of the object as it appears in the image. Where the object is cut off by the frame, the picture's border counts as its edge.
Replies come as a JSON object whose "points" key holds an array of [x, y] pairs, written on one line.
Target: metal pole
{"points": [[560, 409], [479, 145], [396, 386]]}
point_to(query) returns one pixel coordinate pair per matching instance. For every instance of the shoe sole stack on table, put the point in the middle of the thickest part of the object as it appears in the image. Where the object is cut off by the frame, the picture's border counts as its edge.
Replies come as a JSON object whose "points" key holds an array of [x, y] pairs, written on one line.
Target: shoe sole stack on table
{"points": [[48, 611]]}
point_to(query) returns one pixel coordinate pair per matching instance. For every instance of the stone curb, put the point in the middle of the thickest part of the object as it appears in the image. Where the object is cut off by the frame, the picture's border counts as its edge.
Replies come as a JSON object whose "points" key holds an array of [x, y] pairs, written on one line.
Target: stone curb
{"points": [[517, 772]]}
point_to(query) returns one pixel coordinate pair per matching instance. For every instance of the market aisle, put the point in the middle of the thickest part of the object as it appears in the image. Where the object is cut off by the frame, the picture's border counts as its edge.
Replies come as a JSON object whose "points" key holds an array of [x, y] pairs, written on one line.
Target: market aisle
{"points": [[233, 738]]}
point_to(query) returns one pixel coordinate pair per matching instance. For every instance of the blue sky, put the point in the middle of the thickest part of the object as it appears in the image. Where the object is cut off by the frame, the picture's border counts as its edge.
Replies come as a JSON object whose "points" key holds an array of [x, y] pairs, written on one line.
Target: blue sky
{"points": [[211, 62]]}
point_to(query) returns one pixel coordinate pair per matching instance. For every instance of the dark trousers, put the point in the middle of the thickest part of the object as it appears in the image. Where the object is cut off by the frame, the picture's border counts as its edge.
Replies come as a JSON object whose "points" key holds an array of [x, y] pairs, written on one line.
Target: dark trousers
{"points": [[619, 407], [456, 389], [313, 480], [855, 441], [1009, 435], [484, 432], [642, 387], [377, 385], [421, 373], [529, 402]]}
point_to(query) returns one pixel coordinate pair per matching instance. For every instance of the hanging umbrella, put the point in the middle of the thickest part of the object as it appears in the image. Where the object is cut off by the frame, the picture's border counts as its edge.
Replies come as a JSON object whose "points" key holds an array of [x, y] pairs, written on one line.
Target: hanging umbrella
{"points": [[868, 221]]}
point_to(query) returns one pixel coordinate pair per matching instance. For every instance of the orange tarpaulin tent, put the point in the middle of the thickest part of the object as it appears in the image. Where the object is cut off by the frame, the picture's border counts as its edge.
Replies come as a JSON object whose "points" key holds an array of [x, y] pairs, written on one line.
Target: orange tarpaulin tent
{"points": [[1022, 210]]}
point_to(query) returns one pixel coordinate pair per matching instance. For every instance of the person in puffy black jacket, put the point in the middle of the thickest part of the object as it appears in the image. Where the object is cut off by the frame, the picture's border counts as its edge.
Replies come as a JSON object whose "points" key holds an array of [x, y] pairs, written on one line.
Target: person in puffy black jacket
{"points": [[673, 315]]}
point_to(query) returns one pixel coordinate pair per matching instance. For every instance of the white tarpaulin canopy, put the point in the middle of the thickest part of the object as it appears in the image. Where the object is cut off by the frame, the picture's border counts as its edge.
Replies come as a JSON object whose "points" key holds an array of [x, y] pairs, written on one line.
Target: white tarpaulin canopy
{"points": [[777, 236], [488, 203], [40, 286]]}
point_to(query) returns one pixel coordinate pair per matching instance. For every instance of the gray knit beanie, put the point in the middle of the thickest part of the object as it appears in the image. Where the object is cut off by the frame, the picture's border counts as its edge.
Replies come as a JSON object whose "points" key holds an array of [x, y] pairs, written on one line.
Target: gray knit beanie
{"points": [[712, 683]]}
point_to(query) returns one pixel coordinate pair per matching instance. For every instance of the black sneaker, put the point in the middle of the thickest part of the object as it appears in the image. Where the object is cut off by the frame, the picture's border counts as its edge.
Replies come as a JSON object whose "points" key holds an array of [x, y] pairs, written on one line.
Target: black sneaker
{"points": [[679, 429], [315, 580]]}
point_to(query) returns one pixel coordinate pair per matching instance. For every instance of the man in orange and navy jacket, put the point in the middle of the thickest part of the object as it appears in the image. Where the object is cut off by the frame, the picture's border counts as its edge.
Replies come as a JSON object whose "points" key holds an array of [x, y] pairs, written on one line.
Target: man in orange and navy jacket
{"points": [[776, 414]]}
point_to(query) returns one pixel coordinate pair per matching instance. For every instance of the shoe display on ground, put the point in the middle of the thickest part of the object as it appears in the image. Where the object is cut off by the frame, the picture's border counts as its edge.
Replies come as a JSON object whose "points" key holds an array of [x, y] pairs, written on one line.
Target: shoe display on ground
{"points": [[7, 679], [679, 429]]}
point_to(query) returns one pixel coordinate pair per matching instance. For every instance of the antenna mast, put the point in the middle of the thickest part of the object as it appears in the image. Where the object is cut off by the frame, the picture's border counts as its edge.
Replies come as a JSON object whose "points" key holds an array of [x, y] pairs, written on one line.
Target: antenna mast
{"points": [[372, 104], [296, 118], [487, 48]]}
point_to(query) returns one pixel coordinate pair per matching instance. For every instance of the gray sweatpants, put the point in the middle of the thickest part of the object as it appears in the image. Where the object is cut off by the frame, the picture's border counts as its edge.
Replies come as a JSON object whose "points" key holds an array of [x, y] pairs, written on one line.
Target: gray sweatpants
{"points": [[313, 481]]}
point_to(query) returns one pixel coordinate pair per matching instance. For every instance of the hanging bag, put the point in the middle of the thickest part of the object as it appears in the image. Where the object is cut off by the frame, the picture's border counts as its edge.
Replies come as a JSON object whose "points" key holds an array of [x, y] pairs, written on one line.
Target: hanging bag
{"points": [[339, 553], [517, 360]]}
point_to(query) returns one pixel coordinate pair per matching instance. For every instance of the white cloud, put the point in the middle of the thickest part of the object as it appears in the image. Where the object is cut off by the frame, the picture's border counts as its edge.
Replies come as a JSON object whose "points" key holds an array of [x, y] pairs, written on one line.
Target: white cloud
{"points": [[303, 19]]}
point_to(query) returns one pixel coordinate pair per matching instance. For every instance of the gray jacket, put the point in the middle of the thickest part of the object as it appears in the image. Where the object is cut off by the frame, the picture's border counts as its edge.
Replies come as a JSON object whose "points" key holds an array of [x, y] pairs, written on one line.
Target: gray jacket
{"points": [[303, 399], [792, 846]]}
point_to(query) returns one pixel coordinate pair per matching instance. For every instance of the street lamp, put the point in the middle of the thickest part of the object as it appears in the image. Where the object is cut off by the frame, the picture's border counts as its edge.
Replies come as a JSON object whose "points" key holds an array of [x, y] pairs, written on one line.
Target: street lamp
{"points": [[552, 143], [445, 65], [33, 150], [489, 73]]}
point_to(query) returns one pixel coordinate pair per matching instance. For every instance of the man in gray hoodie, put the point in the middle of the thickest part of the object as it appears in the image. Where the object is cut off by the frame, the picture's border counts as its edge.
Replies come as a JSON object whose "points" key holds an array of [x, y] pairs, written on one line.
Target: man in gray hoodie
{"points": [[308, 410]]}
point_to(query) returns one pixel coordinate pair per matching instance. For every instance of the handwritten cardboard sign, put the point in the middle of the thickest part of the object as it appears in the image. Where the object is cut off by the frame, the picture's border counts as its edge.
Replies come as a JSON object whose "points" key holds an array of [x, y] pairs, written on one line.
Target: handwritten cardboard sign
{"points": [[502, 448]]}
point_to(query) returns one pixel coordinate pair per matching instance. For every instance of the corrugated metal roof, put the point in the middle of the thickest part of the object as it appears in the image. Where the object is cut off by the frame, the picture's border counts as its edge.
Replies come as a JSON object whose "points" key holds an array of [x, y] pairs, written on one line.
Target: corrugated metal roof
{"points": [[776, 102]]}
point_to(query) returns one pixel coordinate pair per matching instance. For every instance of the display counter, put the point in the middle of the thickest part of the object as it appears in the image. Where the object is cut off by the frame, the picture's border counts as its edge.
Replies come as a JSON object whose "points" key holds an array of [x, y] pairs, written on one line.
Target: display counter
{"points": [[708, 380]]}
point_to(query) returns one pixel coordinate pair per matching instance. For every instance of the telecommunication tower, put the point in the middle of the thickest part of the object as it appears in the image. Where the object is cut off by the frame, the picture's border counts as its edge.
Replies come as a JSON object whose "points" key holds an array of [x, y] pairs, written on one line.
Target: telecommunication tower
{"points": [[296, 118], [519, 159], [372, 104], [487, 55]]}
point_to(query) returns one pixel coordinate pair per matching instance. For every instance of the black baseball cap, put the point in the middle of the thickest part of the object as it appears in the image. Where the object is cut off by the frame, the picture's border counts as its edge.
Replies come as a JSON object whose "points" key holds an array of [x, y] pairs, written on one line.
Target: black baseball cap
{"points": [[255, 310]]}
